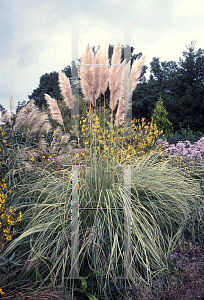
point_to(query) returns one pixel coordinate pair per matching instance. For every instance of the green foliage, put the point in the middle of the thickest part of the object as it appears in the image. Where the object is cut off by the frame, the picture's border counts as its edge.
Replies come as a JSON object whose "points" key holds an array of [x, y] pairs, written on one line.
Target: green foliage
{"points": [[159, 118], [181, 87], [183, 135]]}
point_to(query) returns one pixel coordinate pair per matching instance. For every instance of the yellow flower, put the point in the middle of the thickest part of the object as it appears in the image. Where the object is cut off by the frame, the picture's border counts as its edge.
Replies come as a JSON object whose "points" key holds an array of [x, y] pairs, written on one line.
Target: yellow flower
{"points": [[1, 292], [4, 141], [32, 158]]}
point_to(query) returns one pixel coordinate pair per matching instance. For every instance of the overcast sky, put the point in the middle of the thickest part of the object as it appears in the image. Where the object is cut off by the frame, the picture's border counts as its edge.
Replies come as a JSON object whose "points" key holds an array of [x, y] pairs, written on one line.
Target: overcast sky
{"points": [[36, 36]]}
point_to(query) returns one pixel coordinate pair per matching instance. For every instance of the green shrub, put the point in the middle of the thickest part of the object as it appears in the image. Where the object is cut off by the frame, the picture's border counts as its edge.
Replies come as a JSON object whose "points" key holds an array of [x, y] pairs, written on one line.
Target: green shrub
{"points": [[159, 118]]}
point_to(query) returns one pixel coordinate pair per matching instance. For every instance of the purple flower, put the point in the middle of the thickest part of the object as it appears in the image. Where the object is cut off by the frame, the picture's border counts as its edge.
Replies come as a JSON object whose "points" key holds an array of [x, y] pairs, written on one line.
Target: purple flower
{"points": [[121, 287]]}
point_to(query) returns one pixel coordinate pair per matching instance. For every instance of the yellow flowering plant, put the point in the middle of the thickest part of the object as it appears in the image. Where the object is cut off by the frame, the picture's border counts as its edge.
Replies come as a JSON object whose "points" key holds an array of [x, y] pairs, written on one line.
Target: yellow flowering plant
{"points": [[7, 221], [6, 216]]}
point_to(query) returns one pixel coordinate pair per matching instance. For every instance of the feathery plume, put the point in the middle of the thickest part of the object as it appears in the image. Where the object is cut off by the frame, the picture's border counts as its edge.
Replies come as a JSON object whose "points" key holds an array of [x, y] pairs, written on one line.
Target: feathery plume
{"points": [[136, 71], [31, 116], [105, 66], [65, 138], [21, 153], [6, 117], [42, 146], [65, 88], [127, 95], [54, 109], [41, 118], [97, 77], [115, 77], [87, 73], [30, 106], [56, 133], [127, 86], [20, 118], [45, 128]]}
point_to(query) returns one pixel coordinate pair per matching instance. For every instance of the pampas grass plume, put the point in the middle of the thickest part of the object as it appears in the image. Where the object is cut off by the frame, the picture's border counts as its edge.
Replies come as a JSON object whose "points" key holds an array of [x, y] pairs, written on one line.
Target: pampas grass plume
{"points": [[105, 67], [136, 71], [97, 77], [6, 117], [41, 118], [87, 73], [65, 88], [54, 109], [115, 77], [127, 95]]}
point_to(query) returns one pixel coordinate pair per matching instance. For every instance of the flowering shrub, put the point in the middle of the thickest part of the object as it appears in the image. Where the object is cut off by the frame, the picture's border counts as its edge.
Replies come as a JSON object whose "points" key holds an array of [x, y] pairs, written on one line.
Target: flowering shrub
{"points": [[141, 142], [185, 150]]}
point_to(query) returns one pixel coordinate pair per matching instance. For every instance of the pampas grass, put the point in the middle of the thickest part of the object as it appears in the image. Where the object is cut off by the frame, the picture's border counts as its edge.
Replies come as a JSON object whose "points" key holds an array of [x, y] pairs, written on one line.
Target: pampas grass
{"points": [[129, 81], [45, 128], [127, 95], [97, 79], [87, 73], [41, 118], [20, 118], [65, 88], [136, 71], [115, 77], [6, 117], [54, 109], [104, 69], [115, 81]]}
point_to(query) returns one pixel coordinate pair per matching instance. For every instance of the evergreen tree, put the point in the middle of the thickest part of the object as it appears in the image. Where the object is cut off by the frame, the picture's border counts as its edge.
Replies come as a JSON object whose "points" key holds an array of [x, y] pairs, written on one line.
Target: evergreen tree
{"points": [[159, 118]]}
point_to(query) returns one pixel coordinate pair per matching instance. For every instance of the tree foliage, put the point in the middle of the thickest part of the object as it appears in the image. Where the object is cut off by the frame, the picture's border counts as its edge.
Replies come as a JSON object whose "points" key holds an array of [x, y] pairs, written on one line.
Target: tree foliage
{"points": [[180, 85]]}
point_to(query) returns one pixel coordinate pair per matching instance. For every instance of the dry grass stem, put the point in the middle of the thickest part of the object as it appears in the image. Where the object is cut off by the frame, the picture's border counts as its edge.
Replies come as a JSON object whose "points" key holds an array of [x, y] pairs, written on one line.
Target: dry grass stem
{"points": [[136, 71], [97, 77], [54, 109], [65, 88], [87, 73], [115, 77], [105, 67]]}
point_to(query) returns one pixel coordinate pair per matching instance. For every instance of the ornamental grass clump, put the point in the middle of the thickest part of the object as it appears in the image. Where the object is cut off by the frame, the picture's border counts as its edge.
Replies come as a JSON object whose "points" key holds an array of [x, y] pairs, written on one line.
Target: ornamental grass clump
{"points": [[162, 195]]}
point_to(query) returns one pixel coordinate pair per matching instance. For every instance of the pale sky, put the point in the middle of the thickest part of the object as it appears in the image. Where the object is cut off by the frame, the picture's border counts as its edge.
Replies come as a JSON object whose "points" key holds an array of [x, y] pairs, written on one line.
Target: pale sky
{"points": [[36, 36]]}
